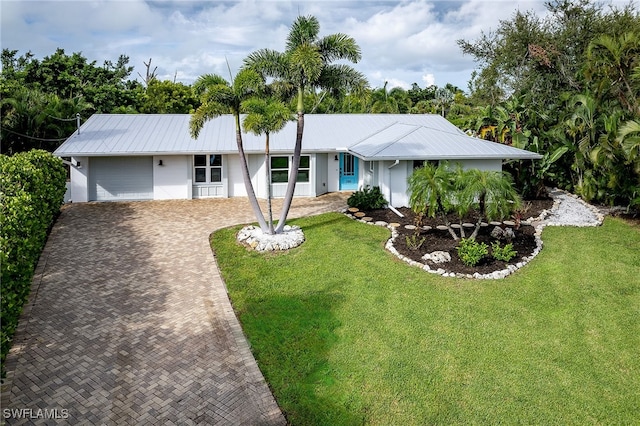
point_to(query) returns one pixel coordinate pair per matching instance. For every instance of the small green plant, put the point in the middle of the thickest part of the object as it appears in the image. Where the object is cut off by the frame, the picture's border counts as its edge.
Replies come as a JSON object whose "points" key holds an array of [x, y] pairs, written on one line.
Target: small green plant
{"points": [[471, 252], [505, 253], [414, 241], [367, 198]]}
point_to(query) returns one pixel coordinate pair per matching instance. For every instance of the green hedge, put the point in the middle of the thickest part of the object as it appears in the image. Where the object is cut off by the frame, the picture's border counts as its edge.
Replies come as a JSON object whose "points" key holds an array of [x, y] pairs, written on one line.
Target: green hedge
{"points": [[32, 187]]}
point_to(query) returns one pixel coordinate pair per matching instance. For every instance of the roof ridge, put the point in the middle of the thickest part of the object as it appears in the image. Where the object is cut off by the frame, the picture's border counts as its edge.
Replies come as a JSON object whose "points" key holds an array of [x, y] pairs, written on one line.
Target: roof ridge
{"points": [[387, 145]]}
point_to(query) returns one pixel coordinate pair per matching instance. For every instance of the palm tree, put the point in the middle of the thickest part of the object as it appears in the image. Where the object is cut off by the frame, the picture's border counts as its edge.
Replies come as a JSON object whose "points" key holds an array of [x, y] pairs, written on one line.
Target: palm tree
{"points": [[493, 193], [629, 137], [265, 116], [220, 97], [382, 102], [611, 61], [430, 187], [305, 64]]}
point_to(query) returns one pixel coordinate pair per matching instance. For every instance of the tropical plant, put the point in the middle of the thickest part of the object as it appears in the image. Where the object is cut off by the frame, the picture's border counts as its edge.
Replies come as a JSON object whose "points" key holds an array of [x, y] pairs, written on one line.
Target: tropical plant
{"points": [[367, 198], [470, 251], [492, 192], [218, 97], [430, 187], [266, 115], [307, 63], [504, 253]]}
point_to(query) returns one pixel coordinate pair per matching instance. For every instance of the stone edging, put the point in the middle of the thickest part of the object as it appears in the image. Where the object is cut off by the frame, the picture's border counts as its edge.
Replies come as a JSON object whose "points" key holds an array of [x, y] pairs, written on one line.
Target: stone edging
{"points": [[503, 273]]}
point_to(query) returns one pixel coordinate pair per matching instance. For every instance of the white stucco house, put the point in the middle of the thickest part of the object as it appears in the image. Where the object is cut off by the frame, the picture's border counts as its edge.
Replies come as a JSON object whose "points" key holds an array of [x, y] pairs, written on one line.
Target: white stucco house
{"points": [[153, 157]]}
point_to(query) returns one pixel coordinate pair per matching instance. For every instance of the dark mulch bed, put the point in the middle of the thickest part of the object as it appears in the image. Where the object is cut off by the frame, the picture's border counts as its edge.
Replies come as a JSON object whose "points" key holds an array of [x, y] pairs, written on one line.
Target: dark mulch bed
{"points": [[436, 240]]}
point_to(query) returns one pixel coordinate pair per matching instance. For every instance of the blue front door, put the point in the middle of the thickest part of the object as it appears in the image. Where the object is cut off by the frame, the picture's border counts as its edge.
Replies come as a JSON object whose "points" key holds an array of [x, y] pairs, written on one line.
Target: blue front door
{"points": [[348, 172]]}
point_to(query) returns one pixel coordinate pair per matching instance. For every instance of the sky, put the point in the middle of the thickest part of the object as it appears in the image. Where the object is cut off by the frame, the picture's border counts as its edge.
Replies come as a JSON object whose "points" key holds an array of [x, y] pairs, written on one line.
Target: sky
{"points": [[402, 42]]}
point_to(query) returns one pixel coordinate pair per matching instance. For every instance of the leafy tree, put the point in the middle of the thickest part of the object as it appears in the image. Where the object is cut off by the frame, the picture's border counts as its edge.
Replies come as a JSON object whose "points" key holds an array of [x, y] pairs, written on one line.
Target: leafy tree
{"points": [[563, 86], [32, 119], [40, 98], [167, 97], [307, 63]]}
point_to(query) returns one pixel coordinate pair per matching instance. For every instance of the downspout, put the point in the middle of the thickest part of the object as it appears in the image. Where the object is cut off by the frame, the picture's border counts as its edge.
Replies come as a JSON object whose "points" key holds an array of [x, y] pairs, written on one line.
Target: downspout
{"points": [[390, 192]]}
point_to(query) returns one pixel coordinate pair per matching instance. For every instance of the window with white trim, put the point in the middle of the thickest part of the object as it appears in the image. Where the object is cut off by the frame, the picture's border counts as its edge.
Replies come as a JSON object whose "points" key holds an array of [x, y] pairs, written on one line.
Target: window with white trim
{"points": [[207, 168], [280, 169]]}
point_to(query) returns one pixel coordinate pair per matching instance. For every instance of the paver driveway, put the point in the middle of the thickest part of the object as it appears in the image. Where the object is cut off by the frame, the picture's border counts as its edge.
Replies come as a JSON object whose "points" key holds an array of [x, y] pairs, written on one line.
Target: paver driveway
{"points": [[129, 321]]}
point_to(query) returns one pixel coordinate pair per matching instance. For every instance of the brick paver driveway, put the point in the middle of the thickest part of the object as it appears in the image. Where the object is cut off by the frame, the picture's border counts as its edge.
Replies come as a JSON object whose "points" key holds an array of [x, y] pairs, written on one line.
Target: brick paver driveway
{"points": [[129, 321]]}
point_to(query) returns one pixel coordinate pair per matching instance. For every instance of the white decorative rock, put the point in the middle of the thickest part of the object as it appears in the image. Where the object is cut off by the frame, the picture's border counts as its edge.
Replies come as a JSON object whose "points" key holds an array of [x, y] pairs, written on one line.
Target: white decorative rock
{"points": [[253, 237], [437, 257]]}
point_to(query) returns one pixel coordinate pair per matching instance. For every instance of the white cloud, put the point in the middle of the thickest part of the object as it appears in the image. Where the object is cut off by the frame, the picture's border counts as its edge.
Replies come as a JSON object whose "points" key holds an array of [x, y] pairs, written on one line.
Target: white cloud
{"points": [[402, 42], [429, 80]]}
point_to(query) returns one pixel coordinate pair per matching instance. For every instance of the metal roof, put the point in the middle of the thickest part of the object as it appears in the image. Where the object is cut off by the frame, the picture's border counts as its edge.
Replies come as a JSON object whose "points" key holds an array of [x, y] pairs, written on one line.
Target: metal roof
{"points": [[368, 136], [408, 141]]}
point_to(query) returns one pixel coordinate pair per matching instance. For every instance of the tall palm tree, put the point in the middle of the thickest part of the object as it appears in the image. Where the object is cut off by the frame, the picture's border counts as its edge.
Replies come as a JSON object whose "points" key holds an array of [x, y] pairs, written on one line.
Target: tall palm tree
{"points": [[265, 116], [305, 64], [220, 97]]}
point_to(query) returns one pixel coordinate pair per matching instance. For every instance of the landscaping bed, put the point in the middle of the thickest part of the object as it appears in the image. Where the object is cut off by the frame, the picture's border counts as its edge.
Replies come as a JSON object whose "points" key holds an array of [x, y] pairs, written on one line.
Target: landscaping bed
{"points": [[434, 240]]}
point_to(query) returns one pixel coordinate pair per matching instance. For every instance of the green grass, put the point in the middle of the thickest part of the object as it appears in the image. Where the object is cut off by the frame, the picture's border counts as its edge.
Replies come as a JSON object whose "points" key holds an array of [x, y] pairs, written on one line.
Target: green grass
{"points": [[347, 334]]}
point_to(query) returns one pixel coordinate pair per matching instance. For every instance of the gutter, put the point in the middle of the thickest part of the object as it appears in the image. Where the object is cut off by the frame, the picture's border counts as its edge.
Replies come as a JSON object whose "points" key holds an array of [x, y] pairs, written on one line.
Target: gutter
{"points": [[390, 193]]}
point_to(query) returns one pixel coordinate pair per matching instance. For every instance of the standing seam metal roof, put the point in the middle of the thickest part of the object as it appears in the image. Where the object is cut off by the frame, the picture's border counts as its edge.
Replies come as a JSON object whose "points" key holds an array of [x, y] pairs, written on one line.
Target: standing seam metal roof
{"points": [[368, 136]]}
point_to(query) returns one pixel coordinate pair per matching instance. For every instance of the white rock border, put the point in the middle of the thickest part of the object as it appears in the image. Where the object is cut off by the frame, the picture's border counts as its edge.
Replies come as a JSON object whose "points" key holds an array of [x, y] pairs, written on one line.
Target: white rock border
{"points": [[538, 222], [253, 238]]}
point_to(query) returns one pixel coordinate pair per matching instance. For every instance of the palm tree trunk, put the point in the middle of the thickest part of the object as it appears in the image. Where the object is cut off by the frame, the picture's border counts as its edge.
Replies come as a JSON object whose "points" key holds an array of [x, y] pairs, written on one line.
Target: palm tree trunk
{"points": [[247, 179], [269, 192], [293, 175]]}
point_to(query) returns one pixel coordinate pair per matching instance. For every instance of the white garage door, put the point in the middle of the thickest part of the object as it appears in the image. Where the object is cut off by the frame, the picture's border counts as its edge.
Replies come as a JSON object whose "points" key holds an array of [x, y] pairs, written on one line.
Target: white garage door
{"points": [[121, 178]]}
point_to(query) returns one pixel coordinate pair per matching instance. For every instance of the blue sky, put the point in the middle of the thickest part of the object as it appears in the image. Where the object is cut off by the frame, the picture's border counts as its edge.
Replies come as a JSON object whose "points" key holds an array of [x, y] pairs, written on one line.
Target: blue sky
{"points": [[402, 41]]}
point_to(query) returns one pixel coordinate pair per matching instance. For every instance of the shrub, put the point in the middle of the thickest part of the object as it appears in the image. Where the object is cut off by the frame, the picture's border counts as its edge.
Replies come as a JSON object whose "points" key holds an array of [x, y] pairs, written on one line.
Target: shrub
{"points": [[32, 187], [471, 252], [367, 198], [505, 253], [414, 241]]}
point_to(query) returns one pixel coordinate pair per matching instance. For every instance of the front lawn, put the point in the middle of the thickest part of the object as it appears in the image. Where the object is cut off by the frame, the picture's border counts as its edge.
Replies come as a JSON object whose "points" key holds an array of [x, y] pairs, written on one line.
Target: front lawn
{"points": [[346, 334]]}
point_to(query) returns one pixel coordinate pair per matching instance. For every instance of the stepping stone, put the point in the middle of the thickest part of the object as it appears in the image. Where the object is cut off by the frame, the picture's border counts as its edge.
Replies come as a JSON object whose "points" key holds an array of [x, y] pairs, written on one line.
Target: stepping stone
{"points": [[509, 223], [394, 224], [353, 209], [468, 225], [455, 225], [426, 228], [484, 224], [359, 214], [441, 228], [410, 227], [381, 223], [367, 219], [494, 223]]}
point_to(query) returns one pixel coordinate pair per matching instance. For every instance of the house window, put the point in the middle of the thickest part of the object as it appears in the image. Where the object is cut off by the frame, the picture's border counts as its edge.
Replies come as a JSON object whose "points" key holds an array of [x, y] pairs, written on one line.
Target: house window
{"points": [[420, 163], [207, 168], [280, 169]]}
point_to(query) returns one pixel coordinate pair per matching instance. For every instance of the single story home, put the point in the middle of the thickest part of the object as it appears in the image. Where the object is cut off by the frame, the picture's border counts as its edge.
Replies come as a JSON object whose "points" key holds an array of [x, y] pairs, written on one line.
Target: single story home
{"points": [[153, 156]]}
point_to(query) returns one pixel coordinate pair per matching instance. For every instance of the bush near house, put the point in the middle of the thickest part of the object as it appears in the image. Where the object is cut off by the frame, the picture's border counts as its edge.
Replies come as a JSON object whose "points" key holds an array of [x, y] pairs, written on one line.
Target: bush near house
{"points": [[367, 198], [32, 187]]}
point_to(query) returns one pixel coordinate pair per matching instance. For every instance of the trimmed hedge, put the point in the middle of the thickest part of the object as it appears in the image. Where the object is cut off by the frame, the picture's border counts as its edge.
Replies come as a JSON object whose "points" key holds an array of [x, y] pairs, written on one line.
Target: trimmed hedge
{"points": [[32, 187]]}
